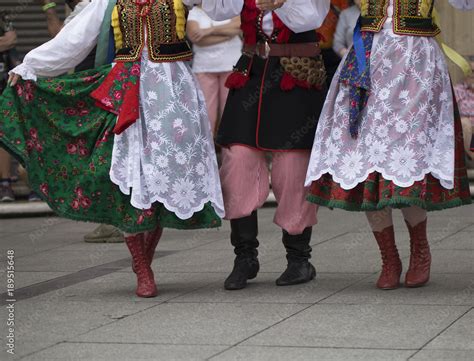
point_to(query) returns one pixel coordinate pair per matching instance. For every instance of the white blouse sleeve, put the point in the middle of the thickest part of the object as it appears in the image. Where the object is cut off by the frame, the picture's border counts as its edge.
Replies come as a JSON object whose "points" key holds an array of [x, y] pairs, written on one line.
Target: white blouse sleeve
{"points": [[462, 4], [222, 9], [69, 48], [303, 15], [191, 3]]}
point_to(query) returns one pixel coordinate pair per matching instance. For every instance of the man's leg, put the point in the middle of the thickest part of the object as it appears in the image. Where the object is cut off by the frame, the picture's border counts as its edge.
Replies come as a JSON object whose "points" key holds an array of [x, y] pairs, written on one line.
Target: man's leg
{"points": [[245, 185], [294, 215]]}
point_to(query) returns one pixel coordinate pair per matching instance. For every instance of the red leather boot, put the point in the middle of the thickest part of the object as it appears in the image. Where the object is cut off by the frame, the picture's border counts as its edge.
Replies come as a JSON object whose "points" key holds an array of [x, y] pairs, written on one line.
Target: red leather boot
{"points": [[146, 286], [151, 242], [391, 264], [418, 273]]}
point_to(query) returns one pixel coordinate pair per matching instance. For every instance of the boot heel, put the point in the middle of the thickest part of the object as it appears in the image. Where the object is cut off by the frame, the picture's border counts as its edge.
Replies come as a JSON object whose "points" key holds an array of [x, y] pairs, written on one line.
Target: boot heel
{"points": [[253, 275]]}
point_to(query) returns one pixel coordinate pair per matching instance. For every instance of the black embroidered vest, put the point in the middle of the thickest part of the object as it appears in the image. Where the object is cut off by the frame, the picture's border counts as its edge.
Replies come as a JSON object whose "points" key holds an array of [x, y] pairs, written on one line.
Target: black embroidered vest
{"points": [[158, 25], [410, 17]]}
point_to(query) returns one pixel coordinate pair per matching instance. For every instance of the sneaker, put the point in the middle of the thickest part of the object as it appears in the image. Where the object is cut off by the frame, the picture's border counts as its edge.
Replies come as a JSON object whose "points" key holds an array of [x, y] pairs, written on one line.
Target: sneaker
{"points": [[34, 197], [6, 193], [104, 234]]}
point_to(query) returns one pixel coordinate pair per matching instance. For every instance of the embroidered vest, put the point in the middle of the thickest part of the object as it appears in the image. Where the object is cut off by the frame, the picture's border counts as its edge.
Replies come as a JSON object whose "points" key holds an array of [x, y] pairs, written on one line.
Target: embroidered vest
{"points": [[308, 73], [163, 27], [410, 17]]}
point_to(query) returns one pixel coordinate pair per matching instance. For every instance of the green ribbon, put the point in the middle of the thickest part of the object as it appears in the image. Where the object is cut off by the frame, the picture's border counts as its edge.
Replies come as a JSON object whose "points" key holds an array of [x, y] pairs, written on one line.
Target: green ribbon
{"points": [[104, 36]]}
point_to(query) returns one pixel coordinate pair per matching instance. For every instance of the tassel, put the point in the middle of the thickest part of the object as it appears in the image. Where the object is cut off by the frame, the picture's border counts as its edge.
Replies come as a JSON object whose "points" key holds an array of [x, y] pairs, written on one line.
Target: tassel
{"points": [[237, 80], [303, 84], [287, 82]]}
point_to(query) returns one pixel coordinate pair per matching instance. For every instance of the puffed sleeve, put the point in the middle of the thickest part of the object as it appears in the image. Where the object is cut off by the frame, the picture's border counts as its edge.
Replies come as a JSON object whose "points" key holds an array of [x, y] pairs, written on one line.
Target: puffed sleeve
{"points": [[462, 4], [69, 48], [303, 15], [222, 9]]}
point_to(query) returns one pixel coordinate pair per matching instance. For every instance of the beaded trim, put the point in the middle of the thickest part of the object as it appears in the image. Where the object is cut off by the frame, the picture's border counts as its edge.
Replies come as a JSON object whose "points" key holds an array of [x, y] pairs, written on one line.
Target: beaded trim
{"points": [[410, 17]]}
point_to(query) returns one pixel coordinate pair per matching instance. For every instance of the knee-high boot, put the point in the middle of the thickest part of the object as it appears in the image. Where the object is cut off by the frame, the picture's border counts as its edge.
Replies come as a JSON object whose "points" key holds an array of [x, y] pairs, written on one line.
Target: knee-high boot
{"points": [[146, 286], [298, 253], [244, 239], [391, 264], [418, 273], [150, 243]]}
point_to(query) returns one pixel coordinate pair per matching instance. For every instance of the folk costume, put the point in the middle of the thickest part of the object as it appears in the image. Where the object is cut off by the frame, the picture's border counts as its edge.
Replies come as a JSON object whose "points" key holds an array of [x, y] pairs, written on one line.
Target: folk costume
{"points": [[276, 94], [390, 133], [128, 144]]}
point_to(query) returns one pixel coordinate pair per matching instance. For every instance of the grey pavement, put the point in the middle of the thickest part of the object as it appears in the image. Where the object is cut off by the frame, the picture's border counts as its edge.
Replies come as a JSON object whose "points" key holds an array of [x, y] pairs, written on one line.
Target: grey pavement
{"points": [[75, 301]]}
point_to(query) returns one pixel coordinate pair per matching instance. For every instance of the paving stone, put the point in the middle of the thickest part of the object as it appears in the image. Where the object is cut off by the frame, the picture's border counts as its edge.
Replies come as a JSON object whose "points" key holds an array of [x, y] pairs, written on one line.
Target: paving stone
{"points": [[458, 241], [193, 323], [24, 279], [329, 258], [444, 355], [197, 260], [360, 326], [264, 290], [68, 261], [99, 318], [49, 319], [305, 353], [452, 261], [459, 336], [120, 287], [116, 351], [443, 289]]}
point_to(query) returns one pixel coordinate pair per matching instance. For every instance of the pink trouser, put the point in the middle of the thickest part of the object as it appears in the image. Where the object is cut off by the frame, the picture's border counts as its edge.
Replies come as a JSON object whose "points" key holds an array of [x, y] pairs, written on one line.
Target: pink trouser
{"points": [[246, 185], [215, 93]]}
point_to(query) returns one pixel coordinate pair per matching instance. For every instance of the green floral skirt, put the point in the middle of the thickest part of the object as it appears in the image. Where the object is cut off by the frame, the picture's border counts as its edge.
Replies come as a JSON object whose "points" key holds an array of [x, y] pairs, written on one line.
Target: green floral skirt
{"points": [[65, 141]]}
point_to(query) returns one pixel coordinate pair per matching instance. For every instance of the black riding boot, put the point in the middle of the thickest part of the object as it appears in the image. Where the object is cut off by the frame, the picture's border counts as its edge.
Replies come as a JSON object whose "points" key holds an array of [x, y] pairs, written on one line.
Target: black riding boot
{"points": [[244, 239], [298, 253]]}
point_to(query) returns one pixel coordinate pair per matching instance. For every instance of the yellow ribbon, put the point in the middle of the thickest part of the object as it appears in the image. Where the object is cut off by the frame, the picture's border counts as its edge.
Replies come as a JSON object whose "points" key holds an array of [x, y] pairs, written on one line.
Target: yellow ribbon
{"points": [[116, 28], [452, 54]]}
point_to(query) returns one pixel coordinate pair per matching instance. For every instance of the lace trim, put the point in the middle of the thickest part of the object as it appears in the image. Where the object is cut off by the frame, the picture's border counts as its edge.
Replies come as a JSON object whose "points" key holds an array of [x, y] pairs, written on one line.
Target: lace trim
{"points": [[26, 72], [446, 181], [125, 189]]}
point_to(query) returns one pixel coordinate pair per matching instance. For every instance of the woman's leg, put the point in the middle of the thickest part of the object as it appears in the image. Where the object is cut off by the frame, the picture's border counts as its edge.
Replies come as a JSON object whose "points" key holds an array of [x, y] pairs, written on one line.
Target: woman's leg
{"points": [[418, 273], [146, 286], [381, 223], [209, 83]]}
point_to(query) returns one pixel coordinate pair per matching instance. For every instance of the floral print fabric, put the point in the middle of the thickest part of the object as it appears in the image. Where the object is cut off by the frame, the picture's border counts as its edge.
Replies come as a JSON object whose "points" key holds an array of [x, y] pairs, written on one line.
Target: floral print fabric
{"points": [[407, 127], [54, 128]]}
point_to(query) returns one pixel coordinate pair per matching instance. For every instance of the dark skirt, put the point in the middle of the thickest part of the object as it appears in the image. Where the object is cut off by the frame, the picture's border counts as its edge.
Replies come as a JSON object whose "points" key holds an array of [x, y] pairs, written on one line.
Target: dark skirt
{"points": [[262, 115]]}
